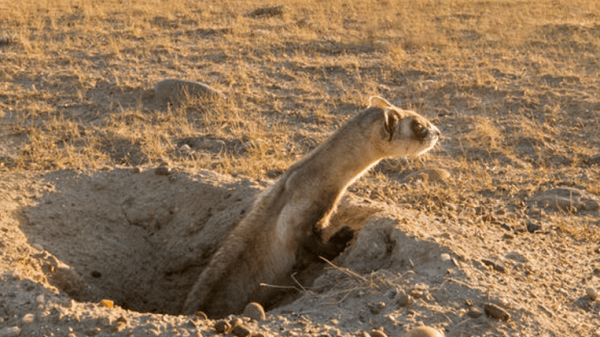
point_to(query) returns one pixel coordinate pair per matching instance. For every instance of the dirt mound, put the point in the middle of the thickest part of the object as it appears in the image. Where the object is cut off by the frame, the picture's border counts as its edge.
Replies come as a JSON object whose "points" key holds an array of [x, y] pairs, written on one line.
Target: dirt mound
{"points": [[139, 239]]}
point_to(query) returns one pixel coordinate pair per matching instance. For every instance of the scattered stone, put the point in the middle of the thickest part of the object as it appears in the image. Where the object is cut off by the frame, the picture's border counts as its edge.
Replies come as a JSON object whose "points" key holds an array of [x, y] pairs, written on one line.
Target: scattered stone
{"points": [[430, 175], [222, 326], [174, 90], [567, 199], [591, 293], [162, 171], [265, 12], [378, 333], [254, 311], [424, 331], [40, 299], [494, 265], [532, 228], [107, 303], [28, 319], [596, 272], [402, 299], [375, 308], [240, 331], [474, 312], [185, 150], [12, 331], [494, 311]]}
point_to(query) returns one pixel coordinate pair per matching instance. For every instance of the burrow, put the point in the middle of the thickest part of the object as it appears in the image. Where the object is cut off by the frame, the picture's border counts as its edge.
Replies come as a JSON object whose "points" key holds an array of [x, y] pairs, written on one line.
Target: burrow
{"points": [[138, 238]]}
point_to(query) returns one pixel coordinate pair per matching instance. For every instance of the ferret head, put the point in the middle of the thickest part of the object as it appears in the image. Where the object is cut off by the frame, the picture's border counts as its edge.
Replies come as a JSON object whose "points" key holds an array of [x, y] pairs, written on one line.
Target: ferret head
{"points": [[404, 133]]}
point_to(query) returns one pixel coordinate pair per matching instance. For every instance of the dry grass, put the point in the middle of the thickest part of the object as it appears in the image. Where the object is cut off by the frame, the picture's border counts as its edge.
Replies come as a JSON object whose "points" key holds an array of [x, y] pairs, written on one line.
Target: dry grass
{"points": [[512, 84]]}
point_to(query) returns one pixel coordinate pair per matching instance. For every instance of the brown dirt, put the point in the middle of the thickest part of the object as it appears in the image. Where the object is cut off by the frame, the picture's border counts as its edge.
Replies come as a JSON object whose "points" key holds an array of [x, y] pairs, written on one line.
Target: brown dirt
{"points": [[108, 193]]}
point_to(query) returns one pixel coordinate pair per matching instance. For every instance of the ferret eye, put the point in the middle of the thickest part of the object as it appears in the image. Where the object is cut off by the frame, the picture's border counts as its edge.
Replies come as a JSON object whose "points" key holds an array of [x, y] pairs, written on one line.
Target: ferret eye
{"points": [[419, 129]]}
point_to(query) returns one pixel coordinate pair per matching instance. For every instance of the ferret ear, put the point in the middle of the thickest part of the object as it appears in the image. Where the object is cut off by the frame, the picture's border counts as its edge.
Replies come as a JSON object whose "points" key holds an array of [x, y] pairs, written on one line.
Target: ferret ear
{"points": [[391, 118], [376, 101]]}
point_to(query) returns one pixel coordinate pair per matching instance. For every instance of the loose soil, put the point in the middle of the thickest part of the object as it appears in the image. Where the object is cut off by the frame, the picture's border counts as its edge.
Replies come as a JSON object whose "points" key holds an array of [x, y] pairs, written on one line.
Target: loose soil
{"points": [[114, 197]]}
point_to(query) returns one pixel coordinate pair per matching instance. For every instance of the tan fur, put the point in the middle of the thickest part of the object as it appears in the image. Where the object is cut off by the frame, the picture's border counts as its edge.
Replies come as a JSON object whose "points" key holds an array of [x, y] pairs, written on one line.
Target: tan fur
{"points": [[287, 219]]}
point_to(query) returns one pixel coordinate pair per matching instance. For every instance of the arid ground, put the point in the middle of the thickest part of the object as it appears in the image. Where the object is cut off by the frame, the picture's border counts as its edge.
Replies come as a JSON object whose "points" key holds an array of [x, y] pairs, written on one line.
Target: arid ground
{"points": [[108, 192]]}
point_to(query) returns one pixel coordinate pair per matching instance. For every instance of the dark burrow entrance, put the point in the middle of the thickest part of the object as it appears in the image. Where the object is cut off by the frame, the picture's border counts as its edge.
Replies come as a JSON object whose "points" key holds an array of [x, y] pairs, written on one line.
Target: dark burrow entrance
{"points": [[138, 238]]}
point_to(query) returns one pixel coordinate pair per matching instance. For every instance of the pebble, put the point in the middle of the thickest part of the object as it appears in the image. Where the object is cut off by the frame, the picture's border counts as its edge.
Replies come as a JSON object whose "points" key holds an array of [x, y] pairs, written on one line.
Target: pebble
{"points": [[402, 299], [532, 228], [424, 331], [222, 326], [254, 311], [12, 331], [592, 293], [185, 150], [174, 90], [240, 331], [162, 171], [474, 312], [40, 299], [430, 175], [28, 319], [378, 333], [494, 265], [567, 199], [494, 311]]}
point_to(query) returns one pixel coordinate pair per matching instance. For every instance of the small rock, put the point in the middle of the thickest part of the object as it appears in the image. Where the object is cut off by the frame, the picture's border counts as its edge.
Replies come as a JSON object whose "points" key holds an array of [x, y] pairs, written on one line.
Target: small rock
{"points": [[185, 150], [494, 265], [38, 247], [430, 175], [12, 331], [494, 311], [254, 311], [174, 90], [240, 331], [162, 171], [532, 228], [40, 299], [378, 333], [567, 199], [474, 312], [265, 12], [596, 272], [106, 303], [402, 299], [375, 308], [222, 326], [424, 331], [592, 293], [28, 319]]}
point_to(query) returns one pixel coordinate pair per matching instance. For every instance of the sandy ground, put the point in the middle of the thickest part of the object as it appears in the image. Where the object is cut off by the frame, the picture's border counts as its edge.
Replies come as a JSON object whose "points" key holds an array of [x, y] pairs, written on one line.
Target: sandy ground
{"points": [[113, 199]]}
